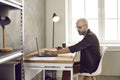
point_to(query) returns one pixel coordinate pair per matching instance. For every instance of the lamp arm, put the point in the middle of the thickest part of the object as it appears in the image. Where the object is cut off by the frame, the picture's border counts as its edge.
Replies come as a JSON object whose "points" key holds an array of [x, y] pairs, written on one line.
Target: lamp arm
{"points": [[53, 37]]}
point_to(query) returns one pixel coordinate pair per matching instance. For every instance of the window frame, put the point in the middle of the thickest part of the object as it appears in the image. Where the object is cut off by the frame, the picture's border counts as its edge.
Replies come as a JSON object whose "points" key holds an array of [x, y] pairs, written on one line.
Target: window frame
{"points": [[101, 25]]}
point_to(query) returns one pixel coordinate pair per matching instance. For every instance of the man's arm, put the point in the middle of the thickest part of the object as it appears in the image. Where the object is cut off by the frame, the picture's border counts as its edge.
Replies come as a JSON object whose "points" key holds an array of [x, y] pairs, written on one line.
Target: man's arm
{"points": [[64, 50], [60, 51]]}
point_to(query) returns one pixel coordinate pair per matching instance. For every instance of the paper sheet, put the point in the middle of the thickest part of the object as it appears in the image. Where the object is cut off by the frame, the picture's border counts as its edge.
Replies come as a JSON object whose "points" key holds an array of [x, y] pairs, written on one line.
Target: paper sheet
{"points": [[43, 58]]}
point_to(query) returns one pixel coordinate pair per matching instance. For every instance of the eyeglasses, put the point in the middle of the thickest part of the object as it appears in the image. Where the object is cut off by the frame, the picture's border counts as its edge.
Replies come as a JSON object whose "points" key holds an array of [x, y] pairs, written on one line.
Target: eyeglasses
{"points": [[79, 27]]}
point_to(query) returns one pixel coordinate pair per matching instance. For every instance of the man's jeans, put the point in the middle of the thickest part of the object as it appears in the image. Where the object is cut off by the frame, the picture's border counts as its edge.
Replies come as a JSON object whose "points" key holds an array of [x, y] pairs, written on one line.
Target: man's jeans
{"points": [[76, 69]]}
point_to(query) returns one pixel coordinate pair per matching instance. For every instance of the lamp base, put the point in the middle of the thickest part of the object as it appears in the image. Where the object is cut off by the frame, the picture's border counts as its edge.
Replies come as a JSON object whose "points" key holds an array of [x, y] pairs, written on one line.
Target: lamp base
{"points": [[4, 50]]}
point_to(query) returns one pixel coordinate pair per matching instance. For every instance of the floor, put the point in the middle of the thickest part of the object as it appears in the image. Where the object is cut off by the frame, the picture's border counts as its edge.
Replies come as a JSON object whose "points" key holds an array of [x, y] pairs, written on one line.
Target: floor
{"points": [[101, 78], [39, 77], [104, 78]]}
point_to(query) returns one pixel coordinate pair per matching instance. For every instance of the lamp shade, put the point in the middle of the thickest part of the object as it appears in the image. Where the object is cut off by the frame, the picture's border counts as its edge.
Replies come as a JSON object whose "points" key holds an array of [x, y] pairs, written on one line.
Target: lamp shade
{"points": [[4, 20], [55, 18]]}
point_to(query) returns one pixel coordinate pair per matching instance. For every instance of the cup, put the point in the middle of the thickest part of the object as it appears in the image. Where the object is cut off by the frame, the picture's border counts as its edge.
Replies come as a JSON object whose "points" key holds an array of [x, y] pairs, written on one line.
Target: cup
{"points": [[63, 44]]}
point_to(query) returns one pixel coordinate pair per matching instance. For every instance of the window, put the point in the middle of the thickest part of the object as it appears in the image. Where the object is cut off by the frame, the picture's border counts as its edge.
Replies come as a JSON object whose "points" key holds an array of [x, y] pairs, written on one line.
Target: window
{"points": [[103, 18]]}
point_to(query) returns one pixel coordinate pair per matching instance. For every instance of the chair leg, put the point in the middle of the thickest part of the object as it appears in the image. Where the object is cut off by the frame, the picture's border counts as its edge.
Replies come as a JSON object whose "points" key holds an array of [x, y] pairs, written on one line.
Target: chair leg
{"points": [[77, 77], [93, 78], [86, 78]]}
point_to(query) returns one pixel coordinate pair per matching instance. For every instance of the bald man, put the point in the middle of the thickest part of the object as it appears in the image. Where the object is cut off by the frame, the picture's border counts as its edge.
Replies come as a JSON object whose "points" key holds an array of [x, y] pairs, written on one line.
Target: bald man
{"points": [[89, 50]]}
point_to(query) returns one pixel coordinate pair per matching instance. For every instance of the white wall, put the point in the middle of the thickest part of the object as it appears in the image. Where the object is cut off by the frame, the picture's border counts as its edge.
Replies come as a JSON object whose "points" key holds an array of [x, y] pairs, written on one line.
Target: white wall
{"points": [[111, 64], [58, 7]]}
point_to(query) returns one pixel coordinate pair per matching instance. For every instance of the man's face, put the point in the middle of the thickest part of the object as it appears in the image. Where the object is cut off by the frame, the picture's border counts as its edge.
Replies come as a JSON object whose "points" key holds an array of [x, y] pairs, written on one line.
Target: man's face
{"points": [[81, 27]]}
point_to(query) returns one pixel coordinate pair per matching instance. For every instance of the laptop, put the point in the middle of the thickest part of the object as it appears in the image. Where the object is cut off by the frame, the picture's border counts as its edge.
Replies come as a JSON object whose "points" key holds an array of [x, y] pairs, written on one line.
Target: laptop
{"points": [[44, 54]]}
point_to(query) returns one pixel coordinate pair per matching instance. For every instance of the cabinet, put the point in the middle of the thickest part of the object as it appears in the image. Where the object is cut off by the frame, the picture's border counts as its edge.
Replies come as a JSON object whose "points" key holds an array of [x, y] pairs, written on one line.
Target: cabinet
{"points": [[15, 6], [10, 71]]}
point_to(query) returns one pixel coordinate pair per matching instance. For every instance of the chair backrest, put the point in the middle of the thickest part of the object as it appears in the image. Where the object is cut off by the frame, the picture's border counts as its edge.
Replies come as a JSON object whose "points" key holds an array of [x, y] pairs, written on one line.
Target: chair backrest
{"points": [[99, 69]]}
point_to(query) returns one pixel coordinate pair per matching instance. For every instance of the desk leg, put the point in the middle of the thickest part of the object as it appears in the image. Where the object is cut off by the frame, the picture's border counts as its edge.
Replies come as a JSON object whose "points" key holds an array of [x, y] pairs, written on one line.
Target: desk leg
{"points": [[71, 74], [43, 74]]}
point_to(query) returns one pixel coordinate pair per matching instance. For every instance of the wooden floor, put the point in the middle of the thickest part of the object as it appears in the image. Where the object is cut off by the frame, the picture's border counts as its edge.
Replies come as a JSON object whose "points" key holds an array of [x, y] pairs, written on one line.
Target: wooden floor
{"points": [[39, 77], [101, 78], [104, 78]]}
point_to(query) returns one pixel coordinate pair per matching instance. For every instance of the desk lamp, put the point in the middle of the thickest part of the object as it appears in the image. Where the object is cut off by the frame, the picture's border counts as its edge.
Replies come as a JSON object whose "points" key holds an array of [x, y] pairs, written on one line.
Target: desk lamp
{"points": [[55, 19], [4, 20]]}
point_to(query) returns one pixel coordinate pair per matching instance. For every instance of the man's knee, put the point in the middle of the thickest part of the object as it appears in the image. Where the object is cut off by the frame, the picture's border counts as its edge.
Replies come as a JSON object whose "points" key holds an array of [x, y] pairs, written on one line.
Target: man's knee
{"points": [[76, 67]]}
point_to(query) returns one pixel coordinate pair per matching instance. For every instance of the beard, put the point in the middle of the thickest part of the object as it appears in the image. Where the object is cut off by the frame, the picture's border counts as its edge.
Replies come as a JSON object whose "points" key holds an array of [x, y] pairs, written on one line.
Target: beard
{"points": [[81, 33]]}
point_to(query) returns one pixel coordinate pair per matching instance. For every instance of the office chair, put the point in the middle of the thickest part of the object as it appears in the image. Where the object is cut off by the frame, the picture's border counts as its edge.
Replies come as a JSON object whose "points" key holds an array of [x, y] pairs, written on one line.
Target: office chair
{"points": [[99, 69]]}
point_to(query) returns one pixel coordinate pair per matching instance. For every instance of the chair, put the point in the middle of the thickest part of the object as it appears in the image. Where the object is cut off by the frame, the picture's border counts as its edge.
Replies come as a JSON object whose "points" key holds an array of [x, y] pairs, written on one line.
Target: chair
{"points": [[99, 69]]}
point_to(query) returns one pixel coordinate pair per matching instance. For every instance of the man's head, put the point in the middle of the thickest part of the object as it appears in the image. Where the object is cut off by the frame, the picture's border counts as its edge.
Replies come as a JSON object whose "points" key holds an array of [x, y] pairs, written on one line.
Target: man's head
{"points": [[82, 26]]}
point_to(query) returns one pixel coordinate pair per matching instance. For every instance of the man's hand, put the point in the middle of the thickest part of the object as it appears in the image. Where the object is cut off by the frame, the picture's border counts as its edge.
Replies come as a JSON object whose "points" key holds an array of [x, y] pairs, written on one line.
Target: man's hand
{"points": [[59, 47], [51, 51], [57, 51]]}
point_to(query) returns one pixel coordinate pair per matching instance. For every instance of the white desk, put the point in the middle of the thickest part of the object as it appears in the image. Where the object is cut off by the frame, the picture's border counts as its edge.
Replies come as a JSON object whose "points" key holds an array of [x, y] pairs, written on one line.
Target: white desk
{"points": [[62, 62]]}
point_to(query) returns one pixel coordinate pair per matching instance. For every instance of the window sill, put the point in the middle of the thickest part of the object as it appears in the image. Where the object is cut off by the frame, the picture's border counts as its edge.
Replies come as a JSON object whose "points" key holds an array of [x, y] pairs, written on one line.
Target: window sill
{"points": [[111, 47]]}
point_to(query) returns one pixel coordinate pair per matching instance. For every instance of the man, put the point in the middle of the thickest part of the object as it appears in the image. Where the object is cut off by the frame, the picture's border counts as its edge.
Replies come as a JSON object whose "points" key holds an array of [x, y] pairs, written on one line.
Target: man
{"points": [[89, 49]]}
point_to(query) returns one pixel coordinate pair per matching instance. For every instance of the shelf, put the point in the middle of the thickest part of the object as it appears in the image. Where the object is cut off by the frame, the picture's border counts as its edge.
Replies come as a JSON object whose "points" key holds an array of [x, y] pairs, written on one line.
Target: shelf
{"points": [[5, 6], [12, 4], [4, 57]]}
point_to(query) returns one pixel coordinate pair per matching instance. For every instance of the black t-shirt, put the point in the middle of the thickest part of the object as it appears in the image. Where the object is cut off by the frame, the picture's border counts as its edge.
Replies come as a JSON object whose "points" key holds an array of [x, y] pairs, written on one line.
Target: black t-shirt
{"points": [[90, 52]]}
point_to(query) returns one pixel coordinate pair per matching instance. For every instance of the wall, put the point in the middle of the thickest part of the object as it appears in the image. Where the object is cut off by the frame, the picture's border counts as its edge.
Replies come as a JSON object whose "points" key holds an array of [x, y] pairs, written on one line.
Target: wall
{"points": [[111, 65], [34, 24]]}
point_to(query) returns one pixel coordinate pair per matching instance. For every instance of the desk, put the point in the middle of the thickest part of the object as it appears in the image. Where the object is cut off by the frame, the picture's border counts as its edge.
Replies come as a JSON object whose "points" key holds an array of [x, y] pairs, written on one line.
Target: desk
{"points": [[61, 62]]}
